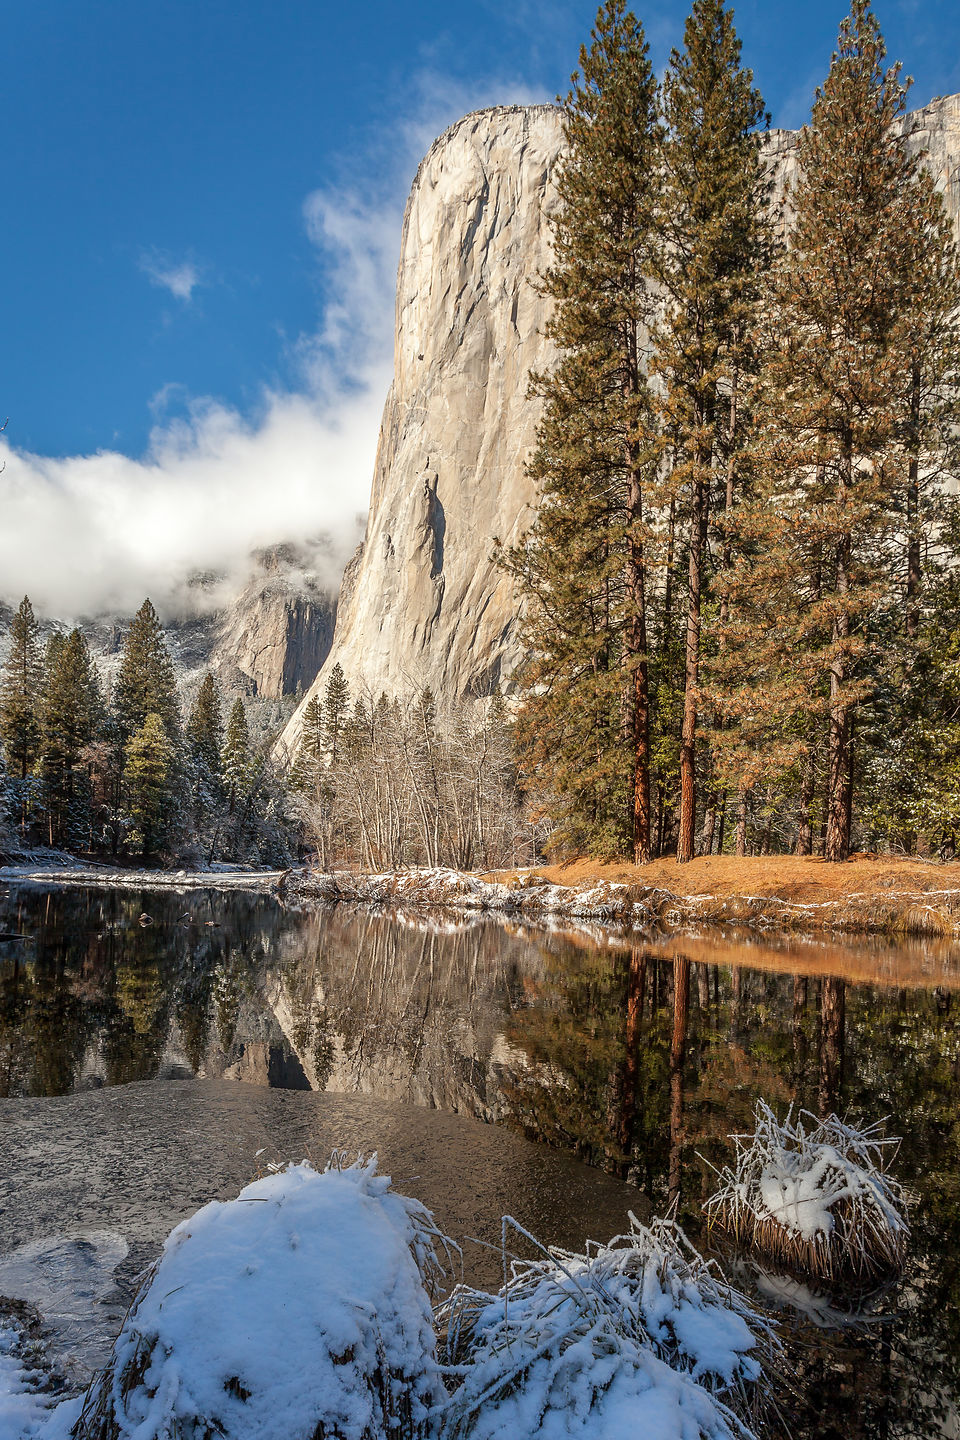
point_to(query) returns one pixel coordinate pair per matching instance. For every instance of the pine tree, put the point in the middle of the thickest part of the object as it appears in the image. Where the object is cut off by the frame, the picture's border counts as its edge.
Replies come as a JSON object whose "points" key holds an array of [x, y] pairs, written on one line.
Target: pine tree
{"points": [[236, 755], [336, 707], [149, 778], [584, 567], [847, 427], [205, 729], [716, 245], [71, 715], [20, 692], [146, 684]]}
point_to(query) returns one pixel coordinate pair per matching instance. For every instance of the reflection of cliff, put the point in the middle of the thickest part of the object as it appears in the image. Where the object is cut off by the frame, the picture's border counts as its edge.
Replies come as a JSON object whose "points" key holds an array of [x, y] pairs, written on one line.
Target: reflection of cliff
{"points": [[637, 1061], [400, 1010]]}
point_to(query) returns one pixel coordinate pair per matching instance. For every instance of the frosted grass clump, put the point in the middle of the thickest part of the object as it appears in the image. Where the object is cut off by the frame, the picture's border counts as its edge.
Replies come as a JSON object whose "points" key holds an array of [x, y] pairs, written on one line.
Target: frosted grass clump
{"points": [[815, 1195], [637, 1337], [298, 1311]]}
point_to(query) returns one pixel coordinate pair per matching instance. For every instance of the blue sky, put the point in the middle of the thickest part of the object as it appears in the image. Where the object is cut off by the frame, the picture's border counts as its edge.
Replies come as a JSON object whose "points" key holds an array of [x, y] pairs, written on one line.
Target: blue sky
{"points": [[202, 203]]}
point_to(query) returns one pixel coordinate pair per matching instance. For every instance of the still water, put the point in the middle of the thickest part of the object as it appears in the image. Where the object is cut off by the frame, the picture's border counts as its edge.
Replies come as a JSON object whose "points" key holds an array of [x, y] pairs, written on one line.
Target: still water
{"points": [[560, 1077]]}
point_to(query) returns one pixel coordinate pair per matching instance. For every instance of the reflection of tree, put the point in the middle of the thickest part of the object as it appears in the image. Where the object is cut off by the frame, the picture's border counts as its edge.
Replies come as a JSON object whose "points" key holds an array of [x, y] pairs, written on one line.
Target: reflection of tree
{"points": [[635, 1063], [832, 1027], [90, 981], [678, 1047], [626, 1093], [14, 999], [688, 1062]]}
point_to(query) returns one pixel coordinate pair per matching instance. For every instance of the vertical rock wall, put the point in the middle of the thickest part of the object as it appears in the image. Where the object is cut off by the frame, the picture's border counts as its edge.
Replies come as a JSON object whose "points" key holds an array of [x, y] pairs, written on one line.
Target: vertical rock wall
{"points": [[422, 601]]}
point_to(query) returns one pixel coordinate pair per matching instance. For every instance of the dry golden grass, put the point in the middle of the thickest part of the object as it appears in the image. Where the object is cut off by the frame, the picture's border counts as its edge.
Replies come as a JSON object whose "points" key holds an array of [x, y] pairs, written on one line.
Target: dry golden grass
{"points": [[803, 878]]}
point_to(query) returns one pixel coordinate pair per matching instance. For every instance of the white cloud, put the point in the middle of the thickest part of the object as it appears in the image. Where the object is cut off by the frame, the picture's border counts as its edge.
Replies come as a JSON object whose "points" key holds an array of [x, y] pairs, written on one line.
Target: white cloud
{"points": [[95, 534], [181, 279]]}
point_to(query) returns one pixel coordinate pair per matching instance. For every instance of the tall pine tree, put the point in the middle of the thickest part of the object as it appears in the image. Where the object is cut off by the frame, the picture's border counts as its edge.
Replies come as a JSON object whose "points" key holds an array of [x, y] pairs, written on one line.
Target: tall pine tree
{"points": [[236, 755], [205, 730], [20, 691], [146, 684], [584, 567], [716, 244], [149, 778], [855, 379], [71, 716]]}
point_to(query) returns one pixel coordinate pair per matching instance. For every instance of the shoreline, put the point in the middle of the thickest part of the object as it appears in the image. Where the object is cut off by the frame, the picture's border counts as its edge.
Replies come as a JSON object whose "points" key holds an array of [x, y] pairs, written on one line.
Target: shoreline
{"points": [[761, 895], [624, 901]]}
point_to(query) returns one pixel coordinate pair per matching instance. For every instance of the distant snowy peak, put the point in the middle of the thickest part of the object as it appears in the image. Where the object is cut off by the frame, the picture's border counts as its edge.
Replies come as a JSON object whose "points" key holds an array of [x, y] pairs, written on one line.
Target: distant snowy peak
{"points": [[268, 640]]}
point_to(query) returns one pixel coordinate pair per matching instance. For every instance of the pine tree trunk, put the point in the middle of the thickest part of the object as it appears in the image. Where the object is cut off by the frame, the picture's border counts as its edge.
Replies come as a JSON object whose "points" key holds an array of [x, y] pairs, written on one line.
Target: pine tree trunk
{"points": [[838, 801], [723, 822], [913, 510], [709, 826], [637, 654], [838, 798], [804, 845], [742, 812], [728, 498], [688, 734]]}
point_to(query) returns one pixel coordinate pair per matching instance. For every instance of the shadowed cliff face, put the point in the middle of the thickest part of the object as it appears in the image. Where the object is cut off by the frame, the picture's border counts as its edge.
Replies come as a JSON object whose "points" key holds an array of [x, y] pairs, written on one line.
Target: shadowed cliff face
{"points": [[277, 633], [421, 601]]}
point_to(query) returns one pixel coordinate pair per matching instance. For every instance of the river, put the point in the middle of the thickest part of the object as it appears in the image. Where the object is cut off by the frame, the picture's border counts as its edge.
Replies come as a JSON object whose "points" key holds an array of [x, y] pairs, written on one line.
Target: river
{"points": [[157, 1050]]}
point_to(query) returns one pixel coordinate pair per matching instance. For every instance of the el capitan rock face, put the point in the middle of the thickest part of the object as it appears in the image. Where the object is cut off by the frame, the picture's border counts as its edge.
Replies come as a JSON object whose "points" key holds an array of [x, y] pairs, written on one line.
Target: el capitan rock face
{"points": [[422, 602]]}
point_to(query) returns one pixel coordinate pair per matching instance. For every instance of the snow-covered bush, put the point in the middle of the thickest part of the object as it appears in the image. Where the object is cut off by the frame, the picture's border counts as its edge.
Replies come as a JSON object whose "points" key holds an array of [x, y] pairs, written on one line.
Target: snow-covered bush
{"points": [[815, 1195], [298, 1311], [637, 1337]]}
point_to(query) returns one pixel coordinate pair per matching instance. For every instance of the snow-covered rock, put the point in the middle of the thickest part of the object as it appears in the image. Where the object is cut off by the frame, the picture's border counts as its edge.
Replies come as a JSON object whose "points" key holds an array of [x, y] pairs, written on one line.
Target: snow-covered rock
{"points": [[297, 1310]]}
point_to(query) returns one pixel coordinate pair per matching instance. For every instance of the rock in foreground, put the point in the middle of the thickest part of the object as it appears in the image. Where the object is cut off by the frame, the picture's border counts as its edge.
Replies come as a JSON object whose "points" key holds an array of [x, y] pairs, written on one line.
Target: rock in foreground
{"points": [[297, 1311]]}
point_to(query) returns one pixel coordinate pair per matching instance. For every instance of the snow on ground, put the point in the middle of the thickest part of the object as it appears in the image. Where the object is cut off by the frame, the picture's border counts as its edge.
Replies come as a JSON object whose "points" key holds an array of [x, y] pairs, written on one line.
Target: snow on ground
{"points": [[22, 1407], [108, 877]]}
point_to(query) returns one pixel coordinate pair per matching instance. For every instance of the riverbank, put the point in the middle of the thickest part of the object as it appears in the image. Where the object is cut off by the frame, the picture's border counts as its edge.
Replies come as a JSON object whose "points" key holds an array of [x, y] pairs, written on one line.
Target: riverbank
{"points": [[868, 895], [864, 896], [55, 867]]}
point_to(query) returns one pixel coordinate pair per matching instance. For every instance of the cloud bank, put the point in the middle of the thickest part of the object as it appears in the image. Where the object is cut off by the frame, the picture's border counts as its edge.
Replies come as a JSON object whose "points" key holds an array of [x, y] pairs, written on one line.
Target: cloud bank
{"points": [[92, 535]]}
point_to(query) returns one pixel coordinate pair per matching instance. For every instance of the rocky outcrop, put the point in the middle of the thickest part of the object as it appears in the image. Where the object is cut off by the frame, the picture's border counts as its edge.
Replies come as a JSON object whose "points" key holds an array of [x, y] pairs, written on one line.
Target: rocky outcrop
{"points": [[422, 601], [268, 641], [277, 633]]}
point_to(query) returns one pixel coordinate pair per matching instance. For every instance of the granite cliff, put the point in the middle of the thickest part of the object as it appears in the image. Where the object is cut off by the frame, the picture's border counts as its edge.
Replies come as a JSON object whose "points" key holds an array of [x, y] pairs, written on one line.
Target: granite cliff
{"points": [[422, 602]]}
